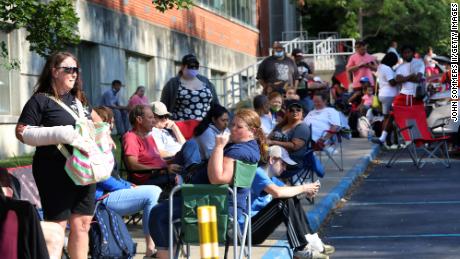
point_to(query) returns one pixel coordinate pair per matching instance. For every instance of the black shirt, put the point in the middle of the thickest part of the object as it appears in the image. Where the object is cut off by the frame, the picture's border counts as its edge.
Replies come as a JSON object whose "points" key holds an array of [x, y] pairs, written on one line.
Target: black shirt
{"points": [[273, 70], [40, 110], [307, 69]]}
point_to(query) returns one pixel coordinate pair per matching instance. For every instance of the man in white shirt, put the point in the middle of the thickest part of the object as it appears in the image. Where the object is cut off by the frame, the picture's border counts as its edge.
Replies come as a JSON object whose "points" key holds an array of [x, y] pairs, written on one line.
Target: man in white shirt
{"points": [[165, 132], [409, 74]]}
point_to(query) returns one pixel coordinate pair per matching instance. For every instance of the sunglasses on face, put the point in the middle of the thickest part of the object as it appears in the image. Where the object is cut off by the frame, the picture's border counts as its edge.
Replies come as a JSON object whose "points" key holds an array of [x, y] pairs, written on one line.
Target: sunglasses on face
{"points": [[162, 117], [71, 70]]}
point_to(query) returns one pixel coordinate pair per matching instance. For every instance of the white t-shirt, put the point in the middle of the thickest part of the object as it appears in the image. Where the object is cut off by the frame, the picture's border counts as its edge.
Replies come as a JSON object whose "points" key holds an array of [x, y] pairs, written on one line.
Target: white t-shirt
{"points": [[268, 124], [414, 67], [385, 74], [165, 141], [322, 120]]}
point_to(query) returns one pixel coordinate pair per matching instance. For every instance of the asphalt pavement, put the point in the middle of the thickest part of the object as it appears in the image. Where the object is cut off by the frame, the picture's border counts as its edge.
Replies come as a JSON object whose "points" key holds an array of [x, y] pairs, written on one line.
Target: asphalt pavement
{"points": [[357, 154], [399, 212]]}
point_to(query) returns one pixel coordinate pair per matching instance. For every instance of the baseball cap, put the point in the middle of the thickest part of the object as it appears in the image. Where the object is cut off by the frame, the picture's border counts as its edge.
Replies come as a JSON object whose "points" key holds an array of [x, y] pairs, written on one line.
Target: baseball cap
{"points": [[292, 103], [190, 59], [280, 152], [364, 79], [297, 52], [159, 108]]}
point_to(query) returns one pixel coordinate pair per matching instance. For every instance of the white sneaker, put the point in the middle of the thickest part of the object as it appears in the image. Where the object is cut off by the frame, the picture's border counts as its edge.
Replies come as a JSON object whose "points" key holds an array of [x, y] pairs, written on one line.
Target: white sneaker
{"points": [[317, 244], [314, 242]]}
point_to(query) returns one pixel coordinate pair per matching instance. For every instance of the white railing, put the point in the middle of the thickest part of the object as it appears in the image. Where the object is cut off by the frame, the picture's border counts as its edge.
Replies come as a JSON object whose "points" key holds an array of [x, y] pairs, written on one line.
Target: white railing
{"points": [[243, 84], [239, 86], [323, 51]]}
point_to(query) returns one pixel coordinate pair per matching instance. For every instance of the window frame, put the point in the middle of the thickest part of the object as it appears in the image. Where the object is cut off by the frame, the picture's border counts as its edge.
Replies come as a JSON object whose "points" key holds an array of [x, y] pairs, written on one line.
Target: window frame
{"points": [[8, 111], [130, 86], [233, 10]]}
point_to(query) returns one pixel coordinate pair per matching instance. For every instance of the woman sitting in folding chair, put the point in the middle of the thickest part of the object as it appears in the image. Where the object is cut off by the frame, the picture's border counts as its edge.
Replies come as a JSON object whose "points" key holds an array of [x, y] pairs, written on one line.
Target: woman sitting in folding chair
{"points": [[293, 135], [274, 203], [246, 139], [324, 122]]}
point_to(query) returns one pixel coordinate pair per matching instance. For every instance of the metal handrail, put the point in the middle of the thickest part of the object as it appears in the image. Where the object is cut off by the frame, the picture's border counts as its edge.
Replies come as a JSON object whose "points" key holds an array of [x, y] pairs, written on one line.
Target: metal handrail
{"points": [[243, 84]]}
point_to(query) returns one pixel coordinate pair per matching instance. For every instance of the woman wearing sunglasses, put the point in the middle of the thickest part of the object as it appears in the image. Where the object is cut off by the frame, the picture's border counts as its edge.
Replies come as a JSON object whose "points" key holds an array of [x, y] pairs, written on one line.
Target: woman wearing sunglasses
{"points": [[292, 134], [189, 96], [61, 199]]}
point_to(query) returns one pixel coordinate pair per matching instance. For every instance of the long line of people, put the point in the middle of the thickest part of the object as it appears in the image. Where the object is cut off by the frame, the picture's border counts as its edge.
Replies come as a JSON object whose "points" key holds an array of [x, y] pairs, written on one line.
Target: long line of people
{"points": [[157, 155], [292, 113], [274, 124]]}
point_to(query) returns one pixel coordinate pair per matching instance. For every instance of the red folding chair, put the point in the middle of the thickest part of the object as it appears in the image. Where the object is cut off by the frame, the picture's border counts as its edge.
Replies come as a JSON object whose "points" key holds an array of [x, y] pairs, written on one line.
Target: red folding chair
{"points": [[414, 134], [187, 127]]}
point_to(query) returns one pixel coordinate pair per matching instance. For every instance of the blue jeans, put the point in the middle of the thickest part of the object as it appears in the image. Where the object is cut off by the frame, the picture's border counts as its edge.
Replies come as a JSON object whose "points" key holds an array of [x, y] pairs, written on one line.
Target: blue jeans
{"points": [[121, 121], [159, 222], [188, 155], [129, 201]]}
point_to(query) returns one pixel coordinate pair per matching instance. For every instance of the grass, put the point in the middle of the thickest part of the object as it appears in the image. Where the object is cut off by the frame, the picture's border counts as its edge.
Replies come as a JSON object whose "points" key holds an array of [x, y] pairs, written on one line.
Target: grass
{"points": [[117, 153], [16, 161]]}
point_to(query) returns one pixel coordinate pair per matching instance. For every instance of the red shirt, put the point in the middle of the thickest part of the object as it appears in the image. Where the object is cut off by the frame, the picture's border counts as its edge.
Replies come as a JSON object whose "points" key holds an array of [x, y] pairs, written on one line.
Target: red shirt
{"points": [[146, 152]]}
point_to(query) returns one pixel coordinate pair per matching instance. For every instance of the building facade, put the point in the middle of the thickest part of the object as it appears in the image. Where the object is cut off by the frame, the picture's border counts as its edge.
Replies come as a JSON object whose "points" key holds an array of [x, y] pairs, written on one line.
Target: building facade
{"points": [[131, 41]]}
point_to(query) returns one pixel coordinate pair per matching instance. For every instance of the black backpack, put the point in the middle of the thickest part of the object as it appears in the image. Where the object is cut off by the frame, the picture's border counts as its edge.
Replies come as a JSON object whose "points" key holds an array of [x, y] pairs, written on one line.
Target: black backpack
{"points": [[108, 235]]}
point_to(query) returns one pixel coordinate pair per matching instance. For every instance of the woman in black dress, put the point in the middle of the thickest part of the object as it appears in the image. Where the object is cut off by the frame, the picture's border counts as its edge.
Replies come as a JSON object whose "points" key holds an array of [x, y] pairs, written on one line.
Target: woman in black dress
{"points": [[61, 199]]}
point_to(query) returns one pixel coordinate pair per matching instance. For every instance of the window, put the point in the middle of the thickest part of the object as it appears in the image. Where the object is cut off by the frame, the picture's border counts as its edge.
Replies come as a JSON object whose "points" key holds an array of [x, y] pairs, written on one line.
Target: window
{"points": [[5, 105], [217, 78], [136, 75], [242, 10], [87, 55]]}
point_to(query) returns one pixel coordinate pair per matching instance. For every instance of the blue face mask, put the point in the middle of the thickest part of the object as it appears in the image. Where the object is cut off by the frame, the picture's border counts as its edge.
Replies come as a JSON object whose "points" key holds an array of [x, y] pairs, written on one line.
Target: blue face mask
{"points": [[279, 54], [192, 72]]}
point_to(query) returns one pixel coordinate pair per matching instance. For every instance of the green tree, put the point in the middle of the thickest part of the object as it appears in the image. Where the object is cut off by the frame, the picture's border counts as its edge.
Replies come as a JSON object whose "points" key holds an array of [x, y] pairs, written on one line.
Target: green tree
{"points": [[164, 5], [51, 26], [417, 22]]}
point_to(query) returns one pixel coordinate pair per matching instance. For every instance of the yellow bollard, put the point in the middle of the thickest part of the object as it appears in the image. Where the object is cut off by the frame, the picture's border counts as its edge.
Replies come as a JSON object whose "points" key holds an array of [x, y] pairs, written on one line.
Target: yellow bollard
{"points": [[207, 230]]}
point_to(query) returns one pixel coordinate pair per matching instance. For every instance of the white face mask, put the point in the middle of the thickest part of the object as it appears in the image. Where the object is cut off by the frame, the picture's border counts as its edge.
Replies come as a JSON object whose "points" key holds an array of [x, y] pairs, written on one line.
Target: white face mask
{"points": [[279, 54]]}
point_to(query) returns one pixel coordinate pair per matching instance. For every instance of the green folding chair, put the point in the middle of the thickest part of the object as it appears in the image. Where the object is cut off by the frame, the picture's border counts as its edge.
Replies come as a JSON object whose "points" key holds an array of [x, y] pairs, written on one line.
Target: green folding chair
{"points": [[243, 177], [195, 195]]}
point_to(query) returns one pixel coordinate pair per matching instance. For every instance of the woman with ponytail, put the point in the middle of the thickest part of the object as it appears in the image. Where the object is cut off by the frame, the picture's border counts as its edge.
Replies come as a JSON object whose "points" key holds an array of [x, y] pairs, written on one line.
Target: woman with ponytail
{"points": [[215, 123], [247, 144]]}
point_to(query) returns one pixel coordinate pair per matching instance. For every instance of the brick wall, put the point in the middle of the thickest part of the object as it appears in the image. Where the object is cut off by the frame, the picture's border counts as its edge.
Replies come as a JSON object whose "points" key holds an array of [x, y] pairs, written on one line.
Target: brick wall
{"points": [[196, 22]]}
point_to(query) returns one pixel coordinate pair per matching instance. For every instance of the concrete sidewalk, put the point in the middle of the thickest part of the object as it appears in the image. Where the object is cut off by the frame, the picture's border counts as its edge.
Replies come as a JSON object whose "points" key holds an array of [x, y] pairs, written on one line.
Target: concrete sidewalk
{"points": [[357, 153]]}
